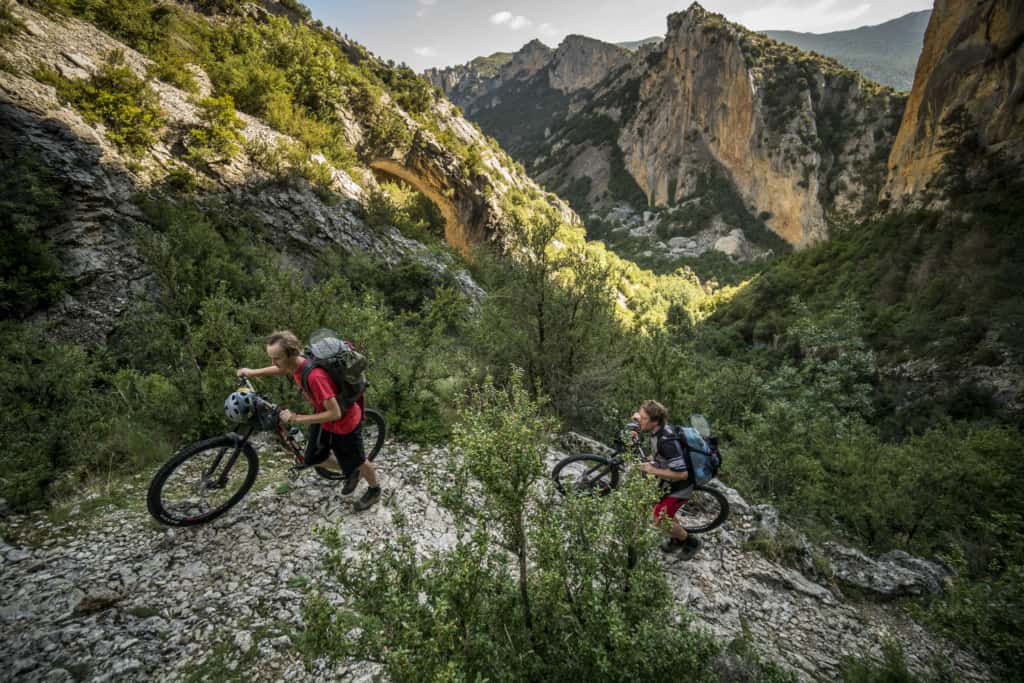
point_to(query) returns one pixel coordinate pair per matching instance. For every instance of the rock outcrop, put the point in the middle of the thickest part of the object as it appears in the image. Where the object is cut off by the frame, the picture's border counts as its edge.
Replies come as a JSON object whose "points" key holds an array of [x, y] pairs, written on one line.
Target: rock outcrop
{"points": [[782, 136], [970, 76]]}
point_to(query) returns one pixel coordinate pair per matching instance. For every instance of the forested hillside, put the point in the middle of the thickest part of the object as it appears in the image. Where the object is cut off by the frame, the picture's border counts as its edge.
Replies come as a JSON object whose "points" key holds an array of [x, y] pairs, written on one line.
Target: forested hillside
{"points": [[886, 53], [180, 179]]}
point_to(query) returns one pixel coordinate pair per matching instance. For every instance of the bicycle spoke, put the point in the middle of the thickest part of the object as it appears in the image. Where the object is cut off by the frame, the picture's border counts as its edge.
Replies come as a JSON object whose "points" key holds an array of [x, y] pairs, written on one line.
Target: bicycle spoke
{"points": [[704, 511], [584, 476], [204, 483]]}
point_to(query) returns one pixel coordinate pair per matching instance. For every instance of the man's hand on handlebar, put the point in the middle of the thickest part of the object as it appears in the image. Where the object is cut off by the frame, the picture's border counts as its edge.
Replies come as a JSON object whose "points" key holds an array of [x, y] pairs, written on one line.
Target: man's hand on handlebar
{"points": [[243, 372]]}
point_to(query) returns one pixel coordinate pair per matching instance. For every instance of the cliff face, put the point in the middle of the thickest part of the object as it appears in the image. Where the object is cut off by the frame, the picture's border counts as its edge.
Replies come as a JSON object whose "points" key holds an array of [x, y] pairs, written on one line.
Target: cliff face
{"points": [[798, 136], [713, 113], [972, 65], [580, 63]]}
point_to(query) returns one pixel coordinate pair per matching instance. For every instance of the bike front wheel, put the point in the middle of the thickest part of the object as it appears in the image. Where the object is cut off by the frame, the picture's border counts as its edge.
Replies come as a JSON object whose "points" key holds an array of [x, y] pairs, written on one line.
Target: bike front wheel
{"points": [[585, 475], [202, 481], [705, 510]]}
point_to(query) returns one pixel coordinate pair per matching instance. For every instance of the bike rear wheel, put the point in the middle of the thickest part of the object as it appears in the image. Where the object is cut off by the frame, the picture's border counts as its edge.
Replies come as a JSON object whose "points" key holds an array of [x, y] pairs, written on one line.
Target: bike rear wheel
{"points": [[706, 510], [585, 475], [202, 481], [374, 431]]}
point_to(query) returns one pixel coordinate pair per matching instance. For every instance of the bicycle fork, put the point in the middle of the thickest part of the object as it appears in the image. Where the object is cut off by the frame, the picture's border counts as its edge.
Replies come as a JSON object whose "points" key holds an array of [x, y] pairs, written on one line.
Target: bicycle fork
{"points": [[222, 480]]}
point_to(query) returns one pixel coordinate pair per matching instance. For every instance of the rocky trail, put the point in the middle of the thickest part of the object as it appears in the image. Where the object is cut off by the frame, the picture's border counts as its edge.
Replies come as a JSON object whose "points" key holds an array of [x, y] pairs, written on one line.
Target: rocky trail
{"points": [[108, 594]]}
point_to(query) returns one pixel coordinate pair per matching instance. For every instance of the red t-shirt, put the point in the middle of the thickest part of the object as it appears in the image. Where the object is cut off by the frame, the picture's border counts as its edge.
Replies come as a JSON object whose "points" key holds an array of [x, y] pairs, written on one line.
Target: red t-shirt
{"points": [[322, 388]]}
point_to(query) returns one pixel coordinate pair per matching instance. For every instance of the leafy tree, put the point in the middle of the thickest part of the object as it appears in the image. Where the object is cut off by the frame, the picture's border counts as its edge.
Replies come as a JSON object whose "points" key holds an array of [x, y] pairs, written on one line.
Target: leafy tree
{"points": [[586, 597], [551, 312]]}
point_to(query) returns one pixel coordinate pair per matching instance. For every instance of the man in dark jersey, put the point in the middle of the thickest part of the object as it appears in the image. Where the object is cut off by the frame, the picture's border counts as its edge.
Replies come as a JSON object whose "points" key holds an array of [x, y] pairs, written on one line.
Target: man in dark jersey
{"points": [[335, 438], [667, 464]]}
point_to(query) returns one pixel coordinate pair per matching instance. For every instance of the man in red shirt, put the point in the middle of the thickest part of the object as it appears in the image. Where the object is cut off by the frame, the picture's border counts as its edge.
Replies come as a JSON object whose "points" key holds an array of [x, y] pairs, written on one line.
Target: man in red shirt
{"points": [[335, 438]]}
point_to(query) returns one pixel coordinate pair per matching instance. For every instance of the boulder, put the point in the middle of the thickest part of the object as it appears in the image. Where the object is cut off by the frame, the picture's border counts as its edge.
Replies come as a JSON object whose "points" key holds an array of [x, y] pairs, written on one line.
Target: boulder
{"points": [[891, 575]]}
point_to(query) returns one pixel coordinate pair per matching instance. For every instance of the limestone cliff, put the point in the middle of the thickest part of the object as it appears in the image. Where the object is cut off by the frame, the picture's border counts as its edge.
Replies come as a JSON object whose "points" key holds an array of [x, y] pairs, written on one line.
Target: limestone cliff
{"points": [[715, 113], [970, 69], [798, 135]]}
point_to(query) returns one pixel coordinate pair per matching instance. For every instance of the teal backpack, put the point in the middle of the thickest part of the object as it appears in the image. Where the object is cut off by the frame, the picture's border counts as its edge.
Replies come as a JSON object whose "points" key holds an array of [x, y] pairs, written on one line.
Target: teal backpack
{"points": [[703, 460]]}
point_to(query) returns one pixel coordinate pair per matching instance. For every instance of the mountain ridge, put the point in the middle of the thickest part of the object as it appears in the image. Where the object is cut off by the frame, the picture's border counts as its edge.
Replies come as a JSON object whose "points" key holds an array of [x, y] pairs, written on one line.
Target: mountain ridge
{"points": [[886, 52], [815, 146]]}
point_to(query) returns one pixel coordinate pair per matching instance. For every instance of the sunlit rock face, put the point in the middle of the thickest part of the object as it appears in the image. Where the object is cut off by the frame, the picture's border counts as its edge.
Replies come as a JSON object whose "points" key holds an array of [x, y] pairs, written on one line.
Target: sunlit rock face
{"points": [[972, 61]]}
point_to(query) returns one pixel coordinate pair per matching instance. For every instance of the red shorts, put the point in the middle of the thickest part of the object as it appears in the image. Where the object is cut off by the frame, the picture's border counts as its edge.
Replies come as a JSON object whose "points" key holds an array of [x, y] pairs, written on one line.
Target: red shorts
{"points": [[668, 507]]}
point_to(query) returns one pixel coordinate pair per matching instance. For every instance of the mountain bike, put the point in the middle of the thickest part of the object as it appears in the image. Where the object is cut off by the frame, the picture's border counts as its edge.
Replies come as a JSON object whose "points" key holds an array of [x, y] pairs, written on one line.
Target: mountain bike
{"points": [[595, 475], [205, 479]]}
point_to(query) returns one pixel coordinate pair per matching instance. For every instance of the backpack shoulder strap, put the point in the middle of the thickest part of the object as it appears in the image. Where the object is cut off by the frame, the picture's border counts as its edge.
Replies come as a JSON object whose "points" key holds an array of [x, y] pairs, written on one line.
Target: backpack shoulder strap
{"points": [[307, 370]]}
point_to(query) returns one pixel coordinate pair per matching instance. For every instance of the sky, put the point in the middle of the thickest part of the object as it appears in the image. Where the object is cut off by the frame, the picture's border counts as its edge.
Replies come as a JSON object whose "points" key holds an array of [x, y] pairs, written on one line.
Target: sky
{"points": [[431, 33]]}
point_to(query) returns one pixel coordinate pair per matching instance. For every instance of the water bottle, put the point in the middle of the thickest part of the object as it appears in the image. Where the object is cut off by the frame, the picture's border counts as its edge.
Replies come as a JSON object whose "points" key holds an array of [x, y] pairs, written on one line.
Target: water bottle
{"points": [[296, 434]]}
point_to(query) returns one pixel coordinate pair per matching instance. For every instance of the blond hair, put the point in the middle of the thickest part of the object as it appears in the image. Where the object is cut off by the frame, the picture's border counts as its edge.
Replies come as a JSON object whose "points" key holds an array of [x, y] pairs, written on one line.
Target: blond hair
{"points": [[288, 342]]}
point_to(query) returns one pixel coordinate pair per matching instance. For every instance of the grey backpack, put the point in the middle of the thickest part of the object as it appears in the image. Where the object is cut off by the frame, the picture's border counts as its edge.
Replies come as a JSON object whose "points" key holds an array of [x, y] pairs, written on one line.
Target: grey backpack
{"points": [[344, 365]]}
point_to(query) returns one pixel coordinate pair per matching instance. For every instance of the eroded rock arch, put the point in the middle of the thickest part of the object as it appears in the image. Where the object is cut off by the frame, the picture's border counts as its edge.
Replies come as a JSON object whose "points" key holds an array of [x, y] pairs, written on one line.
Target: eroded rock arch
{"points": [[464, 217]]}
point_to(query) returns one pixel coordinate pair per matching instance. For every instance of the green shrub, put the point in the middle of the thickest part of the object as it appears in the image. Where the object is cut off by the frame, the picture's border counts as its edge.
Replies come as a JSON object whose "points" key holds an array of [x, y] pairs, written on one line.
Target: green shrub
{"points": [[892, 669], [114, 96], [582, 572], [220, 136], [401, 206], [31, 199], [9, 24], [387, 132], [985, 614], [66, 424], [298, 8], [287, 162]]}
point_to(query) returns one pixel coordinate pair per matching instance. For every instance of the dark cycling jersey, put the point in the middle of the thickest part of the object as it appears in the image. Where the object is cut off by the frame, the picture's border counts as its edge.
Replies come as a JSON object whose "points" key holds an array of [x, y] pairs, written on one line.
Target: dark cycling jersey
{"points": [[668, 455]]}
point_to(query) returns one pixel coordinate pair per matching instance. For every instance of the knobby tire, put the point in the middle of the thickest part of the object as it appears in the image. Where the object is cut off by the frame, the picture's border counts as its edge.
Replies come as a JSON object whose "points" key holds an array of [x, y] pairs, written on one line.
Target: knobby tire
{"points": [[585, 475], [180, 491]]}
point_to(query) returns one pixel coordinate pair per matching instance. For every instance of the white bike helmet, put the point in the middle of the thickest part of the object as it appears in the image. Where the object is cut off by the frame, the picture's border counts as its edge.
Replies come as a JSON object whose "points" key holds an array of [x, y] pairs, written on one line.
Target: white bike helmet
{"points": [[239, 407]]}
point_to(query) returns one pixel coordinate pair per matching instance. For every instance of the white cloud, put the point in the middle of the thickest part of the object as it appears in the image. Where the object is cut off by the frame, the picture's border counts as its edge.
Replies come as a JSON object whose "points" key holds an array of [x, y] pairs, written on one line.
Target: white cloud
{"points": [[513, 21], [426, 51]]}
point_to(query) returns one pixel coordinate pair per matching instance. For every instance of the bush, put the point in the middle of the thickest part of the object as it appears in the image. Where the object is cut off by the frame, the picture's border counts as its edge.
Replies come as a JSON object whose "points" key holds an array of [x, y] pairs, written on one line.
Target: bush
{"points": [[405, 208], [68, 424], [220, 137], [31, 199], [9, 24], [114, 96]]}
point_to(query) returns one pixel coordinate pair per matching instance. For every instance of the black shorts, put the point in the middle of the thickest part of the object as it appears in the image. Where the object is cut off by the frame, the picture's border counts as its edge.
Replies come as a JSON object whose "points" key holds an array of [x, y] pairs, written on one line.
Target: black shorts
{"points": [[347, 448]]}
